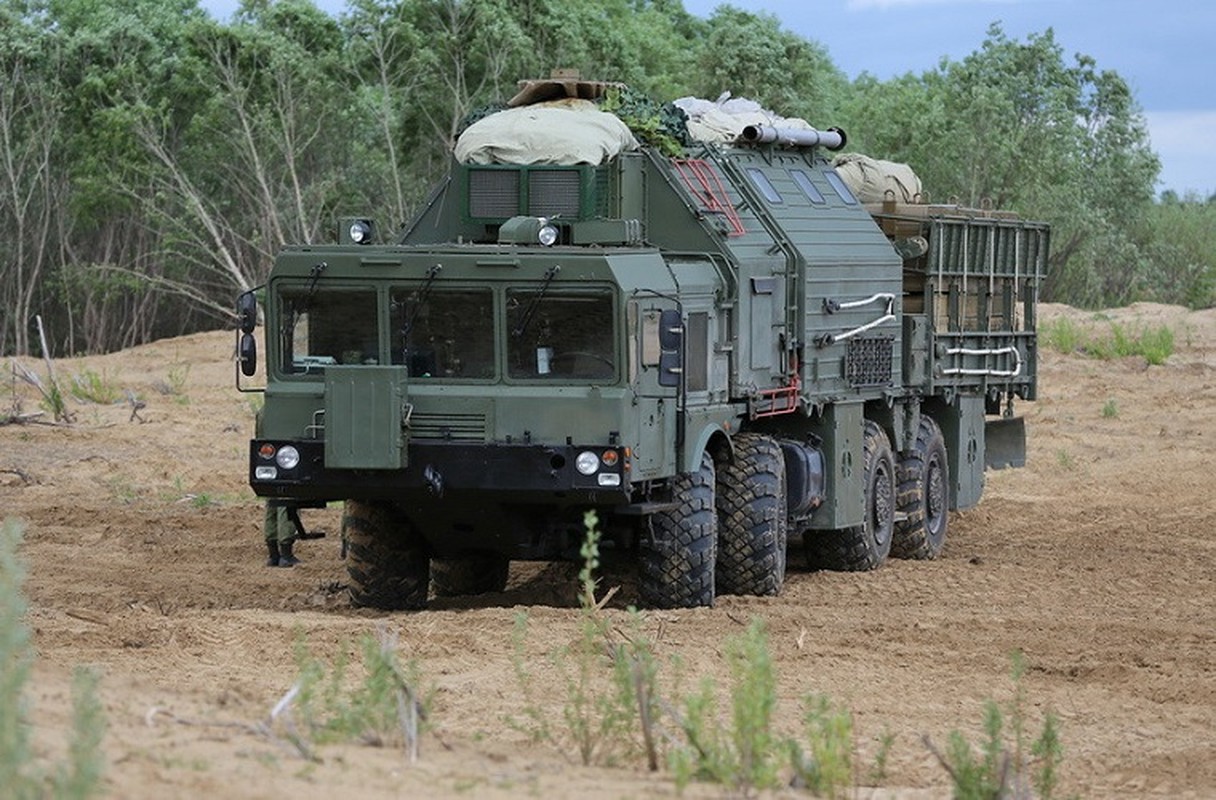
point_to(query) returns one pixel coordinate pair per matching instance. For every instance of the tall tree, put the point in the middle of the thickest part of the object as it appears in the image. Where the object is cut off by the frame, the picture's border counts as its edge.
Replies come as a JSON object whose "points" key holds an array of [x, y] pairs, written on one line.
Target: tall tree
{"points": [[386, 60], [751, 55], [30, 183], [1014, 125]]}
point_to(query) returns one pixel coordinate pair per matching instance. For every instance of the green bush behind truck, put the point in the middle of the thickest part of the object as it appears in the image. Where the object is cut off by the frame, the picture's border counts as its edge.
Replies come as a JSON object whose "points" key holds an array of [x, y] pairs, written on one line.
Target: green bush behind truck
{"points": [[712, 350]]}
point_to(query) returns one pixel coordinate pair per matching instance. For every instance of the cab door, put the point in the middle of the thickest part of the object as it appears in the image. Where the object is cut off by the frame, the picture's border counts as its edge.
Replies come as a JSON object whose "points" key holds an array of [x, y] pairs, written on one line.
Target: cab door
{"points": [[657, 361]]}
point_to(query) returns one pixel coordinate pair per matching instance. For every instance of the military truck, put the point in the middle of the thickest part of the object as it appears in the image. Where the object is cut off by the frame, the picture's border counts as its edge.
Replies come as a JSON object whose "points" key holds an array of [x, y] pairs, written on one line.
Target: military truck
{"points": [[719, 350]]}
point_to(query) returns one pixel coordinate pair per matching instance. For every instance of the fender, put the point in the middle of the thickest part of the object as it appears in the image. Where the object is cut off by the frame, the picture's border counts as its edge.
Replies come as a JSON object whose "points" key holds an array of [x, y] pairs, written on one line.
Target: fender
{"points": [[711, 437]]}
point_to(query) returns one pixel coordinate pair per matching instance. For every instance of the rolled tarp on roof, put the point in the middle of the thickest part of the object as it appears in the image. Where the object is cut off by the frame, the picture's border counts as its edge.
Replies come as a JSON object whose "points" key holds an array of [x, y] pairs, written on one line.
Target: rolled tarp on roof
{"points": [[722, 121], [870, 179], [562, 132]]}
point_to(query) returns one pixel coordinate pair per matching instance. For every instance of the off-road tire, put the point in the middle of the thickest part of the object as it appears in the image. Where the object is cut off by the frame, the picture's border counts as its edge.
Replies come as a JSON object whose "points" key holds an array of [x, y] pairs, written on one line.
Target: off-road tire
{"points": [[922, 495], [679, 551], [752, 525], [453, 577], [386, 560], [866, 546]]}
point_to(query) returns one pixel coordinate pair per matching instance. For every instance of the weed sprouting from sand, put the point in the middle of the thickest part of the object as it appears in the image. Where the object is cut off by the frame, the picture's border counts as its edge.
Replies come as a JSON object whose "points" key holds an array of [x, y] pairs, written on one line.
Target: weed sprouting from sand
{"points": [[383, 707], [1005, 763], [95, 387]]}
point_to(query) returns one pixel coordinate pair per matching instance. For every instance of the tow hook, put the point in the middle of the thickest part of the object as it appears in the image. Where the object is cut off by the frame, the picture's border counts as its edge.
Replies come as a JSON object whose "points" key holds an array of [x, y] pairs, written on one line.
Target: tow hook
{"points": [[434, 480]]}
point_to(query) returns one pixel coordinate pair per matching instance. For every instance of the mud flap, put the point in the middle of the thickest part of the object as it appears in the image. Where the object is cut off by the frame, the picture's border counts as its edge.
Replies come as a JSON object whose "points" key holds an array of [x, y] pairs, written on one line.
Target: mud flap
{"points": [[1005, 443]]}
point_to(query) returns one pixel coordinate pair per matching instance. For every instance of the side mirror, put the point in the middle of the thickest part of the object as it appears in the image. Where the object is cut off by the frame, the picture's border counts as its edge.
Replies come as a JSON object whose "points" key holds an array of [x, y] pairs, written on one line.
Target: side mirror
{"points": [[247, 312], [248, 354]]}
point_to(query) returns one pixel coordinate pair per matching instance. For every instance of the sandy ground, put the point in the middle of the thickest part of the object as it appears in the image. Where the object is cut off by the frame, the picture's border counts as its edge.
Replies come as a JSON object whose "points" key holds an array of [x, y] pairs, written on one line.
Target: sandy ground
{"points": [[1098, 561]]}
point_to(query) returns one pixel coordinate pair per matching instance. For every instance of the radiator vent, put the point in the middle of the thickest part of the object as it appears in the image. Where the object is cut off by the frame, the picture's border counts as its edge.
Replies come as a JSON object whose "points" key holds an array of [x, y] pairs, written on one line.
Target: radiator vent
{"points": [[869, 361], [451, 427], [554, 193], [493, 193]]}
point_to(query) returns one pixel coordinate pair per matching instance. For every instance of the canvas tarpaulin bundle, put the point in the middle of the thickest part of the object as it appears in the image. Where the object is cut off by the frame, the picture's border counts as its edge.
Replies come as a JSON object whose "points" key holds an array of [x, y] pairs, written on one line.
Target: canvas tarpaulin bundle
{"points": [[871, 179], [568, 131]]}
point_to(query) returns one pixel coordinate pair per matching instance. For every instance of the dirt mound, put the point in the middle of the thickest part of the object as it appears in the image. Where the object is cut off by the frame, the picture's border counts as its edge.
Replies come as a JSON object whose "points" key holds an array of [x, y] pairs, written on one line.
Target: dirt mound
{"points": [[1097, 561]]}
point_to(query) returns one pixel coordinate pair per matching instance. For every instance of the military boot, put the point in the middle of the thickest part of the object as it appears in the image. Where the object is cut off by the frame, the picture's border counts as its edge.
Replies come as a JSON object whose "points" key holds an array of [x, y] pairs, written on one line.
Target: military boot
{"points": [[272, 549], [286, 559]]}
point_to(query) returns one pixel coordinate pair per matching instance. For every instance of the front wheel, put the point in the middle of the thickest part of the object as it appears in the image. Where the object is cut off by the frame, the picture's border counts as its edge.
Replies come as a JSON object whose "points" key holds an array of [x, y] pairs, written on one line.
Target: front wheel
{"points": [[751, 502], [387, 559], [866, 546], [678, 555]]}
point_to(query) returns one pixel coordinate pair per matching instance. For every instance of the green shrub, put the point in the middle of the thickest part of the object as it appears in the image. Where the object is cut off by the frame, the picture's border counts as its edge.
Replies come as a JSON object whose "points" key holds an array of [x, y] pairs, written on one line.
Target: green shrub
{"points": [[1154, 344], [827, 768], [92, 387], [608, 682], [80, 775], [383, 709], [1062, 335], [745, 753], [1005, 764]]}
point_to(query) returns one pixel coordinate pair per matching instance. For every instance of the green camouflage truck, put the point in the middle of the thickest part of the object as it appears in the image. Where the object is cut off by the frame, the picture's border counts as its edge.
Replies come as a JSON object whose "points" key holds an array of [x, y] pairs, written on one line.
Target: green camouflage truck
{"points": [[718, 350]]}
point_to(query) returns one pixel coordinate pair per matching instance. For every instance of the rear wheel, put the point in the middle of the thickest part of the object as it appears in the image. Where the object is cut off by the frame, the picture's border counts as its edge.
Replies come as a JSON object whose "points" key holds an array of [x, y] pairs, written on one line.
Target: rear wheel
{"points": [[751, 505], [923, 495], [479, 574], [677, 558], [865, 546], [387, 559]]}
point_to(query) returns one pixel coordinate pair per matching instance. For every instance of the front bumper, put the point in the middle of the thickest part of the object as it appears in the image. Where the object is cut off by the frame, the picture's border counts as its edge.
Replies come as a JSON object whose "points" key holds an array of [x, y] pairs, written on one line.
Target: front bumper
{"points": [[529, 472]]}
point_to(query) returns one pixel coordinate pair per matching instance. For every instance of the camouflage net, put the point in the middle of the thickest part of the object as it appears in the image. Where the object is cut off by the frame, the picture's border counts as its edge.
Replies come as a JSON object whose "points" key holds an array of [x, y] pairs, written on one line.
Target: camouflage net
{"points": [[479, 113], [661, 126]]}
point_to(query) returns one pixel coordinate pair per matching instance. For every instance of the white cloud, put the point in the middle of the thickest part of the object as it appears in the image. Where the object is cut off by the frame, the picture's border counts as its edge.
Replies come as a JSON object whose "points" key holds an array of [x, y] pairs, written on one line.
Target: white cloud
{"points": [[1186, 143]]}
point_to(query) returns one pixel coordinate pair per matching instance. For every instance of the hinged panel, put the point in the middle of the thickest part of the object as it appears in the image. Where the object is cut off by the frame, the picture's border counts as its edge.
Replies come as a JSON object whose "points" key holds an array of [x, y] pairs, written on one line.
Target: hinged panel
{"points": [[363, 417]]}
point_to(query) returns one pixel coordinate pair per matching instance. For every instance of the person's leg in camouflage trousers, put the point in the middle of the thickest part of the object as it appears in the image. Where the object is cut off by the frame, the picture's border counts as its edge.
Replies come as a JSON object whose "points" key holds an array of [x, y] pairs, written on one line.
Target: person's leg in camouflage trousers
{"points": [[280, 536]]}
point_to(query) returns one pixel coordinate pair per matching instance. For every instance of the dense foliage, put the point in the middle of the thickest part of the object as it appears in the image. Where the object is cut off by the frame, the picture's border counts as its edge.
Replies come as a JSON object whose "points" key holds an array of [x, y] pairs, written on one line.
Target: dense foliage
{"points": [[153, 159]]}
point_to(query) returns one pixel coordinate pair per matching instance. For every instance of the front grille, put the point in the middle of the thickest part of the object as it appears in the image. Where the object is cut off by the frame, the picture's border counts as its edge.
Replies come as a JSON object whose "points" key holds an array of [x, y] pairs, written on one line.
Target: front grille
{"points": [[453, 427], [868, 361], [493, 193], [554, 192]]}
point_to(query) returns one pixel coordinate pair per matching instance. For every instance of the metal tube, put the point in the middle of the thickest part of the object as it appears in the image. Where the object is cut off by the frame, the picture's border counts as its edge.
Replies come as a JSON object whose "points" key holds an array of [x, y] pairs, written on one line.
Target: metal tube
{"points": [[832, 138]]}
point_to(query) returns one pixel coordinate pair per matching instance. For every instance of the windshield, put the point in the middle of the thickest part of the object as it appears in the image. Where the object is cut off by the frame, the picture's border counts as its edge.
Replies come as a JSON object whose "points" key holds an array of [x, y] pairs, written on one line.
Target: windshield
{"points": [[559, 336], [327, 326], [443, 333]]}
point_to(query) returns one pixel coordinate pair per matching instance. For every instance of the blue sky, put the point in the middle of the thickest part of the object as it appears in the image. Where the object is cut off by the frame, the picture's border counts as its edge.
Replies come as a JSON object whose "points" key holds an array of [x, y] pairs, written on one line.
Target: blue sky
{"points": [[1163, 49]]}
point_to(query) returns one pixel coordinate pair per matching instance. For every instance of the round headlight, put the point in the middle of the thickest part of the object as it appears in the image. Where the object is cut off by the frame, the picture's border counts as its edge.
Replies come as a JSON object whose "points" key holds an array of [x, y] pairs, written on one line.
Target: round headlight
{"points": [[288, 457], [587, 462], [547, 235], [360, 232]]}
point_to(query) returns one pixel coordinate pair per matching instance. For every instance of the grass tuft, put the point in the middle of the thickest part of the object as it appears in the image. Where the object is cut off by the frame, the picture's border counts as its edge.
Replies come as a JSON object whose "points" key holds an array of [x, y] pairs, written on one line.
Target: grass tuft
{"points": [[93, 387], [1154, 344]]}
